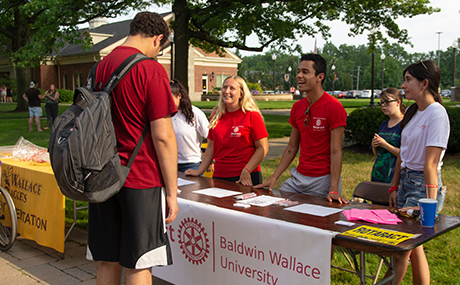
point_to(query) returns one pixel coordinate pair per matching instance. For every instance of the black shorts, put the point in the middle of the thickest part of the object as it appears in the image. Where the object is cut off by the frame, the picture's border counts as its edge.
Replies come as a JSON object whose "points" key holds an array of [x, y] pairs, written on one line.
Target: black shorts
{"points": [[129, 229]]}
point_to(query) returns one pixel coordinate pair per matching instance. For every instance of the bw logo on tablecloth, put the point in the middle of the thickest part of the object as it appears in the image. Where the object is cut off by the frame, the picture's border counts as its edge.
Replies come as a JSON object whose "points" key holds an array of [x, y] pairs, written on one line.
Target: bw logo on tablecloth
{"points": [[193, 241]]}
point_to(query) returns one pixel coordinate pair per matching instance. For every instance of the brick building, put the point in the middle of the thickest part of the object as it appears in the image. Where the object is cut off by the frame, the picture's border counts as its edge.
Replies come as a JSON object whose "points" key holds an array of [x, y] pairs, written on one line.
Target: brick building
{"points": [[70, 68]]}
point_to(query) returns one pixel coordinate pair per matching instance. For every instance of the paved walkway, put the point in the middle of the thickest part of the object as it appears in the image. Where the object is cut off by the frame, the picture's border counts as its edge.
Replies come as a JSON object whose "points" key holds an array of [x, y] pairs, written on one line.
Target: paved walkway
{"points": [[29, 263]]}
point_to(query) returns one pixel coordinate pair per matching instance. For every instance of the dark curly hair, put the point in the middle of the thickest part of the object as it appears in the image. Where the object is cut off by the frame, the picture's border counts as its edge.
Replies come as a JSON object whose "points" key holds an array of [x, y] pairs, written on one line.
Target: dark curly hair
{"points": [[185, 104], [149, 24]]}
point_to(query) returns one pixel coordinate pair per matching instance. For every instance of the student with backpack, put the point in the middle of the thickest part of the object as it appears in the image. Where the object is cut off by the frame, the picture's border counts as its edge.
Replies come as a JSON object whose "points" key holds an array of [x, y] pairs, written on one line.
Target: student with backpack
{"points": [[127, 230]]}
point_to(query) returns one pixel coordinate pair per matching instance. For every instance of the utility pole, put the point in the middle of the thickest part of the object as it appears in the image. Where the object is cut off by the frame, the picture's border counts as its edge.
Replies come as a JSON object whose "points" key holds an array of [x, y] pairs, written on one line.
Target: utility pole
{"points": [[439, 48], [357, 83]]}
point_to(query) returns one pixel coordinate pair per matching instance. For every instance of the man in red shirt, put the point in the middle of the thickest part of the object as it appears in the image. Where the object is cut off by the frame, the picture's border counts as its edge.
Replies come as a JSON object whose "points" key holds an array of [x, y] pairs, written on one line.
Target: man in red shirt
{"points": [[128, 230], [318, 122]]}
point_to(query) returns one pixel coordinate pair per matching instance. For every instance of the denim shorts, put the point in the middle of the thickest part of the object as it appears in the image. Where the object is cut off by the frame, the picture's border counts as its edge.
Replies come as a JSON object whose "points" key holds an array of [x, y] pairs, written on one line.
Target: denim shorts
{"points": [[412, 188], [35, 111], [184, 166]]}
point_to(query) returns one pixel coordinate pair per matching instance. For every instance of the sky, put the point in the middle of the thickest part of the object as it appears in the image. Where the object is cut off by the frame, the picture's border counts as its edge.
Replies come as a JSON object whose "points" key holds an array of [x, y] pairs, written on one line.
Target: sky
{"points": [[422, 30]]}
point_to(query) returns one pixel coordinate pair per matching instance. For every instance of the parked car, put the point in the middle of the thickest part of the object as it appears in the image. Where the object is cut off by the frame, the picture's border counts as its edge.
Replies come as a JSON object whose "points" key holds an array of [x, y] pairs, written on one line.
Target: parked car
{"points": [[354, 94], [340, 94], [445, 93], [268, 92], [365, 94]]}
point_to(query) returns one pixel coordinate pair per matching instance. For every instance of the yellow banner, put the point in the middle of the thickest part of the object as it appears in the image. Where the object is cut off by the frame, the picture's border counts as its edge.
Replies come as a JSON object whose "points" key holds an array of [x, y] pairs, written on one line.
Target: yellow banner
{"points": [[379, 235], [39, 202]]}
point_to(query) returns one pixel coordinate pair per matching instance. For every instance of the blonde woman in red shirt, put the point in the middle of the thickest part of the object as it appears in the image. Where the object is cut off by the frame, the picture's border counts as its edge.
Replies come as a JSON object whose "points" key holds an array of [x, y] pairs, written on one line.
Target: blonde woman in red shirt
{"points": [[237, 139]]}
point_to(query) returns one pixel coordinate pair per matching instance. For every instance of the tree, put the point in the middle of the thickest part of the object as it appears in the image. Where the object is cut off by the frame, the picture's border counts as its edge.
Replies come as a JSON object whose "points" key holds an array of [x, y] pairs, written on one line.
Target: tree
{"points": [[214, 24], [30, 30]]}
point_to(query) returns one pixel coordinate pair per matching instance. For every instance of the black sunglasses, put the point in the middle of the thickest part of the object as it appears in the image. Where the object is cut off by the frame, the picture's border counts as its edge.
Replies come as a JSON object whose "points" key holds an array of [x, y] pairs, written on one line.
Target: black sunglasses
{"points": [[386, 102], [307, 115]]}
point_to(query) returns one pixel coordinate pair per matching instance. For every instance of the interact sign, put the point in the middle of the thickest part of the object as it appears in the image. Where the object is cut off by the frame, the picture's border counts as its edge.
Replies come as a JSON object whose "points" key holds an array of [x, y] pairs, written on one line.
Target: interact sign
{"points": [[212, 245], [39, 203]]}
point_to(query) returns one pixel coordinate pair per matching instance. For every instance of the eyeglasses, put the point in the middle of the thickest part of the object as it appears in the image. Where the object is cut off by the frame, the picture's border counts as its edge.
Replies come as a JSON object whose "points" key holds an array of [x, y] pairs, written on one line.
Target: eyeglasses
{"points": [[386, 102], [307, 115]]}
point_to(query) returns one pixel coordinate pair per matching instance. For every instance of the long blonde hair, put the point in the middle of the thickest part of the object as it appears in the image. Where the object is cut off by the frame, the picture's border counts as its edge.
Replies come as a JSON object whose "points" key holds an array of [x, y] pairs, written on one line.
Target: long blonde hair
{"points": [[246, 102]]}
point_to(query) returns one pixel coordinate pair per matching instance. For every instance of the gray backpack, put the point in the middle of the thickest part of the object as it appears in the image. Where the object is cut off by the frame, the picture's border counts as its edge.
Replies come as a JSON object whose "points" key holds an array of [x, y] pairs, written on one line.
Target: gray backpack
{"points": [[83, 146]]}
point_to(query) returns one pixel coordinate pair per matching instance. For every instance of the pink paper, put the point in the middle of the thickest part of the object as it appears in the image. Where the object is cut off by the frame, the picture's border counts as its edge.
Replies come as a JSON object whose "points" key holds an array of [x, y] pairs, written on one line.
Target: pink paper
{"points": [[372, 216]]}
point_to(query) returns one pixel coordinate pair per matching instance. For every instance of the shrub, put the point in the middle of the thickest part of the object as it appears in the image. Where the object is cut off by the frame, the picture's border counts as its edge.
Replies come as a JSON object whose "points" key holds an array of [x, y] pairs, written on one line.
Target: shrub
{"points": [[65, 95], [363, 123], [454, 138], [254, 87]]}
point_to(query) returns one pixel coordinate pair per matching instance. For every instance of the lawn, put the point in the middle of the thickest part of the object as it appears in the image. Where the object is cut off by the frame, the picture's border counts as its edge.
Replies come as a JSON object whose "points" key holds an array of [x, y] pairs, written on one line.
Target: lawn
{"points": [[442, 252]]}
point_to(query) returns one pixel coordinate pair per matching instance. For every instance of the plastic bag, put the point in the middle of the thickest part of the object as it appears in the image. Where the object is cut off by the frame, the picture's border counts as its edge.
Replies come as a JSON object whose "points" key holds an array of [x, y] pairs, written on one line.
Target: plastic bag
{"points": [[27, 151]]}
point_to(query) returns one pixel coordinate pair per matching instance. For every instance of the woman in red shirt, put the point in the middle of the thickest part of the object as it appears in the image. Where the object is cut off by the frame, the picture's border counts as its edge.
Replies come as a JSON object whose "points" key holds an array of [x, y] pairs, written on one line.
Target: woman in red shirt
{"points": [[237, 139]]}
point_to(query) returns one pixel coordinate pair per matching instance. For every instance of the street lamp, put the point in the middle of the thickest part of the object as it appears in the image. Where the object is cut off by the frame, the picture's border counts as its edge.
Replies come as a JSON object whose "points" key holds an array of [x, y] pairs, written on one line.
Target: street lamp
{"points": [[290, 69], [371, 103], [333, 78], [274, 72], [382, 57], [454, 47]]}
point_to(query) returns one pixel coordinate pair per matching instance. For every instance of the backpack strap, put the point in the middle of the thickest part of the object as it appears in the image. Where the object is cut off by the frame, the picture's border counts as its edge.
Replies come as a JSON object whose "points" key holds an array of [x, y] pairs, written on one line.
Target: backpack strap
{"points": [[122, 70], [138, 146], [91, 80], [114, 79]]}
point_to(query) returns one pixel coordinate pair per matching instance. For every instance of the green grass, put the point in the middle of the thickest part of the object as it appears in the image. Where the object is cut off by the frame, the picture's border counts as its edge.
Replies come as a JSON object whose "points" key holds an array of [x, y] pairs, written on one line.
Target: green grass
{"points": [[443, 253]]}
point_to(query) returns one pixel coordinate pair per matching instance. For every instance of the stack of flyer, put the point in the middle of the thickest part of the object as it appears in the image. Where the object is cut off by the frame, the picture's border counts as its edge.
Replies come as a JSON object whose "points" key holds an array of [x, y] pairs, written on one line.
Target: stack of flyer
{"points": [[372, 216]]}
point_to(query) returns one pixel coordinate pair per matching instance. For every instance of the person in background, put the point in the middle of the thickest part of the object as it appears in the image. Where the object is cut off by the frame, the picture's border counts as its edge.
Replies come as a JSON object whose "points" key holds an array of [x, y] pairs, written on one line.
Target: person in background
{"points": [[425, 134], [51, 105], [3, 93], [385, 144], [190, 125], [318, 123], [237, 138], [8, 95], [128, 231], [34, 97]]}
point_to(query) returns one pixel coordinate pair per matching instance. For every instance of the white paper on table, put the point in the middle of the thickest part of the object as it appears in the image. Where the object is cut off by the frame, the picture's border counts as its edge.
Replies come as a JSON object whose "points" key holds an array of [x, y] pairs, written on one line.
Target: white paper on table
{"points": [[217, 192], [314, 210], [183, 182], [261, 201]]}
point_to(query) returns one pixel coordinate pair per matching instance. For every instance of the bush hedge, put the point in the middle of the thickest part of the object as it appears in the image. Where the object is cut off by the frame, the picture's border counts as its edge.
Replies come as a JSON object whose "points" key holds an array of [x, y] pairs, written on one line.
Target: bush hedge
{"points": [[363, 123], [65, 95]]}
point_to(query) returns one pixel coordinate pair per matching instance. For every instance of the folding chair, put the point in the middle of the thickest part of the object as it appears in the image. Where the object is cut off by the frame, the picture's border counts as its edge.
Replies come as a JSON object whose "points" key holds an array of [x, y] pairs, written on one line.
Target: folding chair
{"points": [[376, 193]]}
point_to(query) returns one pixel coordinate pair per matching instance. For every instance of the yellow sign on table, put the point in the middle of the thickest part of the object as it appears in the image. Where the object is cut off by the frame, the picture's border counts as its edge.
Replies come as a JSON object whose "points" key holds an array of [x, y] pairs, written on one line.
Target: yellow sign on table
{"points": [[379, 235], [39, 202]]}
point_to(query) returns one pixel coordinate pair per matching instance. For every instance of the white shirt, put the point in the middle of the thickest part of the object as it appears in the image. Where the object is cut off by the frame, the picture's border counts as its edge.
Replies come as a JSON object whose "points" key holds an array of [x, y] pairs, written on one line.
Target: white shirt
{"points": [[189, 137], [429, 127]]}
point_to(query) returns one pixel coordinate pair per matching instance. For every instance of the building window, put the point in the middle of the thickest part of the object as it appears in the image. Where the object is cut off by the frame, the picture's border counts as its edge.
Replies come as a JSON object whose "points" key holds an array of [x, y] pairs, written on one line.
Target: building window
{"points": [[220, 78], [77, 80], [64, 81]]}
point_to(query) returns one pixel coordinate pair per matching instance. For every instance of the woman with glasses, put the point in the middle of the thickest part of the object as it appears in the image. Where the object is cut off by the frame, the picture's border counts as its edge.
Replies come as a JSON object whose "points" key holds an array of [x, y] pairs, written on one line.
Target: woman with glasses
{"points": [[425, 134], [386, 143], [237, 138]]}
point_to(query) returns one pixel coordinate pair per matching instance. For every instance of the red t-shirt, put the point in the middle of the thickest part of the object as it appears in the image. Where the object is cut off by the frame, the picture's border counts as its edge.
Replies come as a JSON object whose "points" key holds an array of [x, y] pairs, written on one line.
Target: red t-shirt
{"points": [[141, 97], [326, 113], [233, 138]]}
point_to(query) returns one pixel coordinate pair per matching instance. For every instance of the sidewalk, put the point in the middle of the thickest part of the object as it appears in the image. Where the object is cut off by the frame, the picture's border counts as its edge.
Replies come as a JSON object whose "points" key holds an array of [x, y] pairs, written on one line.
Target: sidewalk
{"points": [[29, 263]]}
